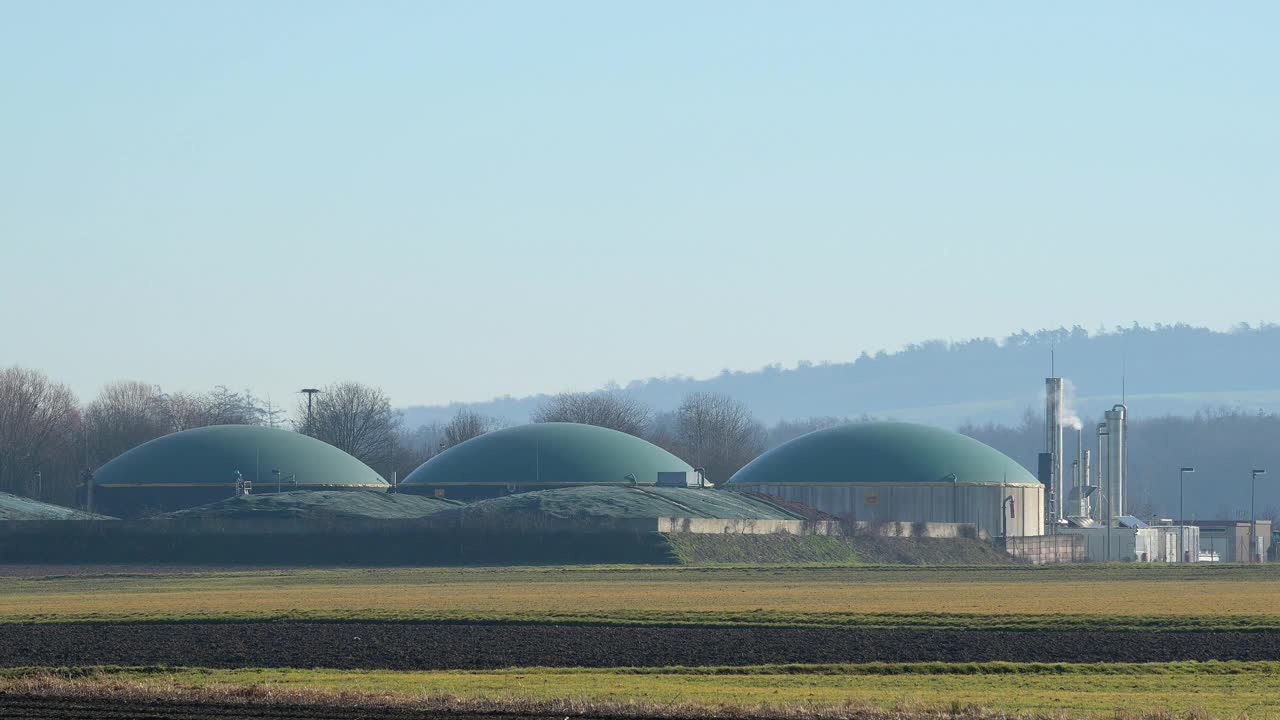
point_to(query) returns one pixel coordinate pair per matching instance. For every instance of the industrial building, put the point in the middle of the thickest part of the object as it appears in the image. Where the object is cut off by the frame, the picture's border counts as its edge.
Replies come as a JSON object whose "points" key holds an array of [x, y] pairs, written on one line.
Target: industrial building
{"points": [[1082, 501], [203, 465], [901, 472], [1130, 539], [1234, 540], [1095, 511], [543, 456]]}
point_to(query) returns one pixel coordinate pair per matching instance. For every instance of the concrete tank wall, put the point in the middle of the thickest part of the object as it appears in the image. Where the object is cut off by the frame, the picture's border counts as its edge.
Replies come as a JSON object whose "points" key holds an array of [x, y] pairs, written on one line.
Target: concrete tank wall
{"points": [[978, 505]]}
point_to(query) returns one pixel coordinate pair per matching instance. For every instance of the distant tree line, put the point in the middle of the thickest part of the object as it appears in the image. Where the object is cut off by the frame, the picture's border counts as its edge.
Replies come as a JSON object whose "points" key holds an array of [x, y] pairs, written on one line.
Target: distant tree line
{"points": [[712, 432], [942, 378], [49, 438]]}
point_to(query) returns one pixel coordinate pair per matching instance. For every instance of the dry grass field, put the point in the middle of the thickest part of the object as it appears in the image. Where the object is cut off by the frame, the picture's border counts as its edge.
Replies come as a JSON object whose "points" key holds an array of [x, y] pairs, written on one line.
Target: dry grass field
{"points": [[1152, 597], [933, 605], [1221, 690]]}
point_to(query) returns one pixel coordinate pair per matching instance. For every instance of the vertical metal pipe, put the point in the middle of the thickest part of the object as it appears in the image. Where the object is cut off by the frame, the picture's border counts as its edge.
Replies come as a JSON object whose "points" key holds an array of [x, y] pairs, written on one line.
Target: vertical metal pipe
{"points": [[1079, 507], [1072, 500], [1053, 443], [1100, 476], [1104, 505], [1086, 479]]}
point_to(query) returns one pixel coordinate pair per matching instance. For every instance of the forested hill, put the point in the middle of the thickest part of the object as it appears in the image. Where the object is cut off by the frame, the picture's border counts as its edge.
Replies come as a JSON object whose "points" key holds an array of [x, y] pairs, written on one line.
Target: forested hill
{"points": [[1175, 369]]}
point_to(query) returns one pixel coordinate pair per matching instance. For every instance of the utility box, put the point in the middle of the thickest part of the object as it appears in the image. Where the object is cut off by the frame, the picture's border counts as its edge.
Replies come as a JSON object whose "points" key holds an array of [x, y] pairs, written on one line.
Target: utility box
{"points": [[1178, 544], [673, 479]]}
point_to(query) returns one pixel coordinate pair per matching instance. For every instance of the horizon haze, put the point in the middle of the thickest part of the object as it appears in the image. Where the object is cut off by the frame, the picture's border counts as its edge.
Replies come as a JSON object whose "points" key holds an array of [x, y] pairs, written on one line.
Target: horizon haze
{"points": [[1165, 370]]}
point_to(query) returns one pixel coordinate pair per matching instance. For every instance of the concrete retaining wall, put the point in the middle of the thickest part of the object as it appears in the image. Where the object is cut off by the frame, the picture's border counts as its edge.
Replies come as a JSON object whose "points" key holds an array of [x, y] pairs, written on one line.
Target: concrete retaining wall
{"points": [[1047, 549], [709, 526]]}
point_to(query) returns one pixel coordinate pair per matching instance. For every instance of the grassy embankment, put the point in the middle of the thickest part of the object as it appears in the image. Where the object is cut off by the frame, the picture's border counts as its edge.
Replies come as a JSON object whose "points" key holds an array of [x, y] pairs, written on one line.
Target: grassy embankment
{"points": [[1102, 690], [404, 542], [1068, 597]]}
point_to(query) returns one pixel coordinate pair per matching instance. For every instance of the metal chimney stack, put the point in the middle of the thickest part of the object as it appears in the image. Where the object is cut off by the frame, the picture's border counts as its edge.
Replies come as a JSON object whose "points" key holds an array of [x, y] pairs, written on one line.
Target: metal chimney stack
{"points": [[1080, 478], [1053, 445], [1117, 437]]}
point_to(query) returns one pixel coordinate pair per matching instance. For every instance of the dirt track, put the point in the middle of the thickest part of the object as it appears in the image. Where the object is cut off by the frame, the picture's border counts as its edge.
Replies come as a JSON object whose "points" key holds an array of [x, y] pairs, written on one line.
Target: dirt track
{"points": [[427, 646], [102, 569]]}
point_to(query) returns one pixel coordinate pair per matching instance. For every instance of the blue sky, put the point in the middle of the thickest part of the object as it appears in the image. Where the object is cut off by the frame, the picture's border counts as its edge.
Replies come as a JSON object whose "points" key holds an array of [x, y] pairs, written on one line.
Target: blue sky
{"points": [[461, 200]]}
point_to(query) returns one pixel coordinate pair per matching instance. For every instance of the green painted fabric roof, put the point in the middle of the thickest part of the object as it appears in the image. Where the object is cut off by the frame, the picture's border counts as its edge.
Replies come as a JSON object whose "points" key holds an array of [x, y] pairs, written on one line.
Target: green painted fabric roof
{"points": [[320, 505], [882, 452], [16, 507], [625, 503], [212, 455], [549, 454]]}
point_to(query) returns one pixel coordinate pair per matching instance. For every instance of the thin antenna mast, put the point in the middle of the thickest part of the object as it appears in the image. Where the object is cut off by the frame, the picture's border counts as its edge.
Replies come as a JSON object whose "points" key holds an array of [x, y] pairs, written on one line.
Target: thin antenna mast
{"points": [[1124, 371]]}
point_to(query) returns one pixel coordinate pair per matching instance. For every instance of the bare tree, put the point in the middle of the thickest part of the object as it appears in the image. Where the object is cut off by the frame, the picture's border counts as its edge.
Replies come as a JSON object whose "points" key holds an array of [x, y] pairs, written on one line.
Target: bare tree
{"points": [[414, 447], [787, 430], [222, 406], [39, 427], [124, 415], [468, 424], [128, 413], [664, 430], [355, 418], [717, 433], [604, 408], [219, 406], [270, 414], [184, 411]]}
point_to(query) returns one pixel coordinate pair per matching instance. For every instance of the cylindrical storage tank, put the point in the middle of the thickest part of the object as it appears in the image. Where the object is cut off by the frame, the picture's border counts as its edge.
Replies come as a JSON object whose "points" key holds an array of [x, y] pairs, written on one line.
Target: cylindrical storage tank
{"points": [[900, 472], [200, 466], [543, 456]]}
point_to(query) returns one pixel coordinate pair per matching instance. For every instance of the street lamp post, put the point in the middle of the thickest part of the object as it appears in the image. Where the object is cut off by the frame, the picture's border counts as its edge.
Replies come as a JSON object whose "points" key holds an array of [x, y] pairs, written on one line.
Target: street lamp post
{"points": [[310, 393], [1182, 515], [1253, 518]]}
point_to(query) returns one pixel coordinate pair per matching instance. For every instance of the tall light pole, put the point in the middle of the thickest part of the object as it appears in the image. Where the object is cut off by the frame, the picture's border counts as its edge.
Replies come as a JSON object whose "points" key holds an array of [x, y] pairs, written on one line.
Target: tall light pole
{"points": [[1253, 519], [310, 393], [1182, 515]]}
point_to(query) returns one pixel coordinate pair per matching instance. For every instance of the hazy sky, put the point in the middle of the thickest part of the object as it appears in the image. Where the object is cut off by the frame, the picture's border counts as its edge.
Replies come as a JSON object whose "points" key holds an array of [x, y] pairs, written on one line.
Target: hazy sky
{"points": [[462, 200]]}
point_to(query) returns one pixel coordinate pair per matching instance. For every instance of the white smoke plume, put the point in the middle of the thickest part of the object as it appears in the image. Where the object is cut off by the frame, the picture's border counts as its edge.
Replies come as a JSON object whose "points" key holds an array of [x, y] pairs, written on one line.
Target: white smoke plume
{"points": [[1066, 413]]}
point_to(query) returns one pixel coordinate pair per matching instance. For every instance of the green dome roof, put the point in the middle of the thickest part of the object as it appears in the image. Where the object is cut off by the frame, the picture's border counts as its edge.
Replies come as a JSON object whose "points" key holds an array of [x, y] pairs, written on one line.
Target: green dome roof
{"points": [[210, 456], [883, 453], [549, 454]]}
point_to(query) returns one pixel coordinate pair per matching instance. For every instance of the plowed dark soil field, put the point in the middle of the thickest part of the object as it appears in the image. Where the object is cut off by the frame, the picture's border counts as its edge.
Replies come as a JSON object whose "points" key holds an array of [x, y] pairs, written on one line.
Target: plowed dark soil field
{"points": [[413, 646], [27, 707]]}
